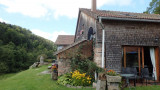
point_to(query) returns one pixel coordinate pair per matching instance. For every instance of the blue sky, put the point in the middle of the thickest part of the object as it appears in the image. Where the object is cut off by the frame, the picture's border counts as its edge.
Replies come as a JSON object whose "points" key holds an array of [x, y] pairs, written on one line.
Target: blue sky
{"points": [[50, 18]]}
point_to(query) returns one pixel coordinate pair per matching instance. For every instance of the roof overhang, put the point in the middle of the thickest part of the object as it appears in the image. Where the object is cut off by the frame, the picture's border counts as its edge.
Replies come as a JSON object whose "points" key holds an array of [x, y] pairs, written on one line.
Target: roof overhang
{"points": [[70, 46], [128, 19]]}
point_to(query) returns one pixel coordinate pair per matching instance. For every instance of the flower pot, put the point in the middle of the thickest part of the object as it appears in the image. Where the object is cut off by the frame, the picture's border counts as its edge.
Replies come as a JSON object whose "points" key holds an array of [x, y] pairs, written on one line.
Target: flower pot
{"points": [[54, 76], [55, 71]]}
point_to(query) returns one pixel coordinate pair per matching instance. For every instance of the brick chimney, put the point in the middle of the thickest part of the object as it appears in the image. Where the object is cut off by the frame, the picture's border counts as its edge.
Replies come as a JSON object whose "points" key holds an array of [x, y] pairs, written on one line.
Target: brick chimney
{"points": [[93, 8]]}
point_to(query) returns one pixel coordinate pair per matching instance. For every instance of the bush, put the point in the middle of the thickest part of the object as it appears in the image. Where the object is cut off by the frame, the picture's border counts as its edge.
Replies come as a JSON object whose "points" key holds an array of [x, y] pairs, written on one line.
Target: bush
{"points": [[48, 60], [65, 79], [76, 79], [80, 79], [85, 65], [3, 67]]}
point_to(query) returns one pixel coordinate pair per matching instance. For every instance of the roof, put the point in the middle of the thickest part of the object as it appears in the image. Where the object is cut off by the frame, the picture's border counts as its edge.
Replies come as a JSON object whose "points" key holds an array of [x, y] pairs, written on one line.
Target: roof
{"points": [[70, 46], [65, 40], [118, 14]]}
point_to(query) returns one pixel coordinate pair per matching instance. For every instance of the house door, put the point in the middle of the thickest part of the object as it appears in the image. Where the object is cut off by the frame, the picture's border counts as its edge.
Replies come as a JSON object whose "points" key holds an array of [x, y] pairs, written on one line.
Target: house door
{"points": [[142, 57]]}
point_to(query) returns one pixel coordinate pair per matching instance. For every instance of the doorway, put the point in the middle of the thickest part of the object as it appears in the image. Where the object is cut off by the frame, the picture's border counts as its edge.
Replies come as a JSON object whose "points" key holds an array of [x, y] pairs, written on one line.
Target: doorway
{"points": [[141, 57]]}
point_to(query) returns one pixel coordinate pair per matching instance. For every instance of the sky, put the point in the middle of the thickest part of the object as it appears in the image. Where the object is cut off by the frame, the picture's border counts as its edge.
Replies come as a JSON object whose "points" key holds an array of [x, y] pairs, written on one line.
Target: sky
{"points": [[50, 18]]}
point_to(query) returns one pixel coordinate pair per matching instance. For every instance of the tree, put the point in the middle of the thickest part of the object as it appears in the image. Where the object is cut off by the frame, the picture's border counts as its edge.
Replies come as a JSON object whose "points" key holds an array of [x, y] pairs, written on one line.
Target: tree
{"points": [[19, 48], [154, 7]]}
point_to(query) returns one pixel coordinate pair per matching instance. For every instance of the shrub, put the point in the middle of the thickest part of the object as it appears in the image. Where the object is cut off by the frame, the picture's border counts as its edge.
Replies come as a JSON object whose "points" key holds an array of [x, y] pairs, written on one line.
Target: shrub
{"points": [[85, 65], [76, 79], [3, 68], [65, 79], [48, 60], [80, 79]]}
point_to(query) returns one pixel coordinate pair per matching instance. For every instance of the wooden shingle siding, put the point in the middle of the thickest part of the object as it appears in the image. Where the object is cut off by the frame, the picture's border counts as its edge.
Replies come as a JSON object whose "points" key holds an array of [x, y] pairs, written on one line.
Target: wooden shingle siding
{"points": [[121, 33]]}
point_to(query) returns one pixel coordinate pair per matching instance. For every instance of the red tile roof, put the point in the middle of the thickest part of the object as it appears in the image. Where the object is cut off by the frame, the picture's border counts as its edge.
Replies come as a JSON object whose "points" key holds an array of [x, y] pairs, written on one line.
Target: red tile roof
{"points": [[64, 40], [118, 14]]}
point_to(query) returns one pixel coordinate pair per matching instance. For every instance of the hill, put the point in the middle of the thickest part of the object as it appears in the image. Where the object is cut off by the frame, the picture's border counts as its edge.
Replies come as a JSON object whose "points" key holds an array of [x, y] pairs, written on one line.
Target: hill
{"points": [[19, 48]]}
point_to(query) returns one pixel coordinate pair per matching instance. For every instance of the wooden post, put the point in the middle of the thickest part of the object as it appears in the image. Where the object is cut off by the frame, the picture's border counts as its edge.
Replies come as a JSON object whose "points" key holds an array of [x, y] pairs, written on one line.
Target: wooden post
{"points": [[139, 59], [124, 57], [142, 57]]}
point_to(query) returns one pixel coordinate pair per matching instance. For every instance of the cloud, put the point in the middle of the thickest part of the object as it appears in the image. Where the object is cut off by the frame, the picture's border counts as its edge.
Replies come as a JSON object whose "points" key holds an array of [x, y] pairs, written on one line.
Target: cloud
{"points": [[2, 20], [51, 36], [57, 8]]}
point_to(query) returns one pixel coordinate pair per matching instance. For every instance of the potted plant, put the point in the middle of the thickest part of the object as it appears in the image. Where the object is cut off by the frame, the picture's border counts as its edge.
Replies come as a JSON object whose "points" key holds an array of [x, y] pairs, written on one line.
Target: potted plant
{"points": [[113, 80], [54, 68], [54, 73]]}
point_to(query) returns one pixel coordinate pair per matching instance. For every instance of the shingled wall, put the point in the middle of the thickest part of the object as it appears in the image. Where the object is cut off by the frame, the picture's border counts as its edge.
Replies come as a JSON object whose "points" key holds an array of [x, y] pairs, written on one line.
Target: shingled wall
{"points": [[120, 33]]}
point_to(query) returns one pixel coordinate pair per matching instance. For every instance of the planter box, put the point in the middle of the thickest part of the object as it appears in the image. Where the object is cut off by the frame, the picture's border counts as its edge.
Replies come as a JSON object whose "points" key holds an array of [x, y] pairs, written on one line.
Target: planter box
{"points": [[113, 78], [113, 82]]}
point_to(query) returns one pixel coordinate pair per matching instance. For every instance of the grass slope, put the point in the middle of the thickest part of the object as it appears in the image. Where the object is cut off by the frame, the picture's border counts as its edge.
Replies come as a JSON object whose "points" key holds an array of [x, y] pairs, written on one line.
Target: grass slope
{"points": [[31, 80]]}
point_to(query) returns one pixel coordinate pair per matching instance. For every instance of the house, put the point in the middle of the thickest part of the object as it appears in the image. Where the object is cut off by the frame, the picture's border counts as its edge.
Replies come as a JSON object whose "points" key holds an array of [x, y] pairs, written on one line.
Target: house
{"points": [[118, 39], [64, 40]]}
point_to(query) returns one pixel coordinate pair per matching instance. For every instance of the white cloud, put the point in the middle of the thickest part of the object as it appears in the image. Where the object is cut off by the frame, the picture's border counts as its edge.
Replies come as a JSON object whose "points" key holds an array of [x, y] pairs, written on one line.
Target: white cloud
{"points": [[51, 36], [69, 8], [2, 20]]}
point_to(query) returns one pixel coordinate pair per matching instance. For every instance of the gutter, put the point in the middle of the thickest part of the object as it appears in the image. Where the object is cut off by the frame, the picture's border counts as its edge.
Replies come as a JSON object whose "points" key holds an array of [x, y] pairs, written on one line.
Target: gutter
{"points": [[103, 40], [130, 19]]}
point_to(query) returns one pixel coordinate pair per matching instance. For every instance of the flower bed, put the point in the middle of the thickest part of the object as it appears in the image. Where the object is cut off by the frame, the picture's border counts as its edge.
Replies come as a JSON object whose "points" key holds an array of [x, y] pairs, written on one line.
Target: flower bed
{"points": [[75, 78]]}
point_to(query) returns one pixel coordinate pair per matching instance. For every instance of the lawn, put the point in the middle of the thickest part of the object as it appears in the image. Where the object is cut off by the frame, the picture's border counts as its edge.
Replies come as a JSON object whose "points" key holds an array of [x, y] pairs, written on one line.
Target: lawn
{"points": [[31, 79], [156, 87]]}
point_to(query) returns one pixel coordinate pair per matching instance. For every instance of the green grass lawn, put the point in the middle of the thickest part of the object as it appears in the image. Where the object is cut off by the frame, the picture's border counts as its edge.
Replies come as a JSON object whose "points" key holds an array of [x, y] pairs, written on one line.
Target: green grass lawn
{"points": [[31, 80], [156, 87]]}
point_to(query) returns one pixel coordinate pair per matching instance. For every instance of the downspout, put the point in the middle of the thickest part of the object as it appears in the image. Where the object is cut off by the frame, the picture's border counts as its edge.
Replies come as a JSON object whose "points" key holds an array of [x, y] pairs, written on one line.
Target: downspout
{"points": [[103, 41]]}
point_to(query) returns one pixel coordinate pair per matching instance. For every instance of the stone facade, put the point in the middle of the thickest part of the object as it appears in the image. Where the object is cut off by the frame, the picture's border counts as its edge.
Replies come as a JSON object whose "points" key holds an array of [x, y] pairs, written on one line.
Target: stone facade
{"points": [[98, 54], [63, 66]]}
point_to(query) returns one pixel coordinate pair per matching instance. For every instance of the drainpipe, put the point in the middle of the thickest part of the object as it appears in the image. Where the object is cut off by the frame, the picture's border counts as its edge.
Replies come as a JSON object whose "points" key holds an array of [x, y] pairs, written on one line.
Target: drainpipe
{"points": [[103, 40]]}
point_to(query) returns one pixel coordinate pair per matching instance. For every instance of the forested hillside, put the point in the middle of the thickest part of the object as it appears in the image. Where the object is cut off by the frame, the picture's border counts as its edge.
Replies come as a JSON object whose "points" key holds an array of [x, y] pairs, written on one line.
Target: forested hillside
{"points": [[19, 48]]}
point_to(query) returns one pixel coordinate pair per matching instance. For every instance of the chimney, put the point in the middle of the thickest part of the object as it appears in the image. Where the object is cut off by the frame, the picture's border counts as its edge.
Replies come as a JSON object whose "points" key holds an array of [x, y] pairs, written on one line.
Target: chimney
{"points": [[93, 8]]}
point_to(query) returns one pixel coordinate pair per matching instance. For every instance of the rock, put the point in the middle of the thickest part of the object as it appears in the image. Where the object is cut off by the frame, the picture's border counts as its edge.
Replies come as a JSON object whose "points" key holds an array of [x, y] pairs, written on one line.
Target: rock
{"points": [[41, 60], [36, 64], [49, 67]]}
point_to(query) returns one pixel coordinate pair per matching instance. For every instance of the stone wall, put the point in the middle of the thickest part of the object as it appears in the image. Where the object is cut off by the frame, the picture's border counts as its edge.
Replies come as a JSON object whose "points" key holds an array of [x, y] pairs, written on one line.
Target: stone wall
{"points": [[121, 33], [98, 54], [63, 66]]}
